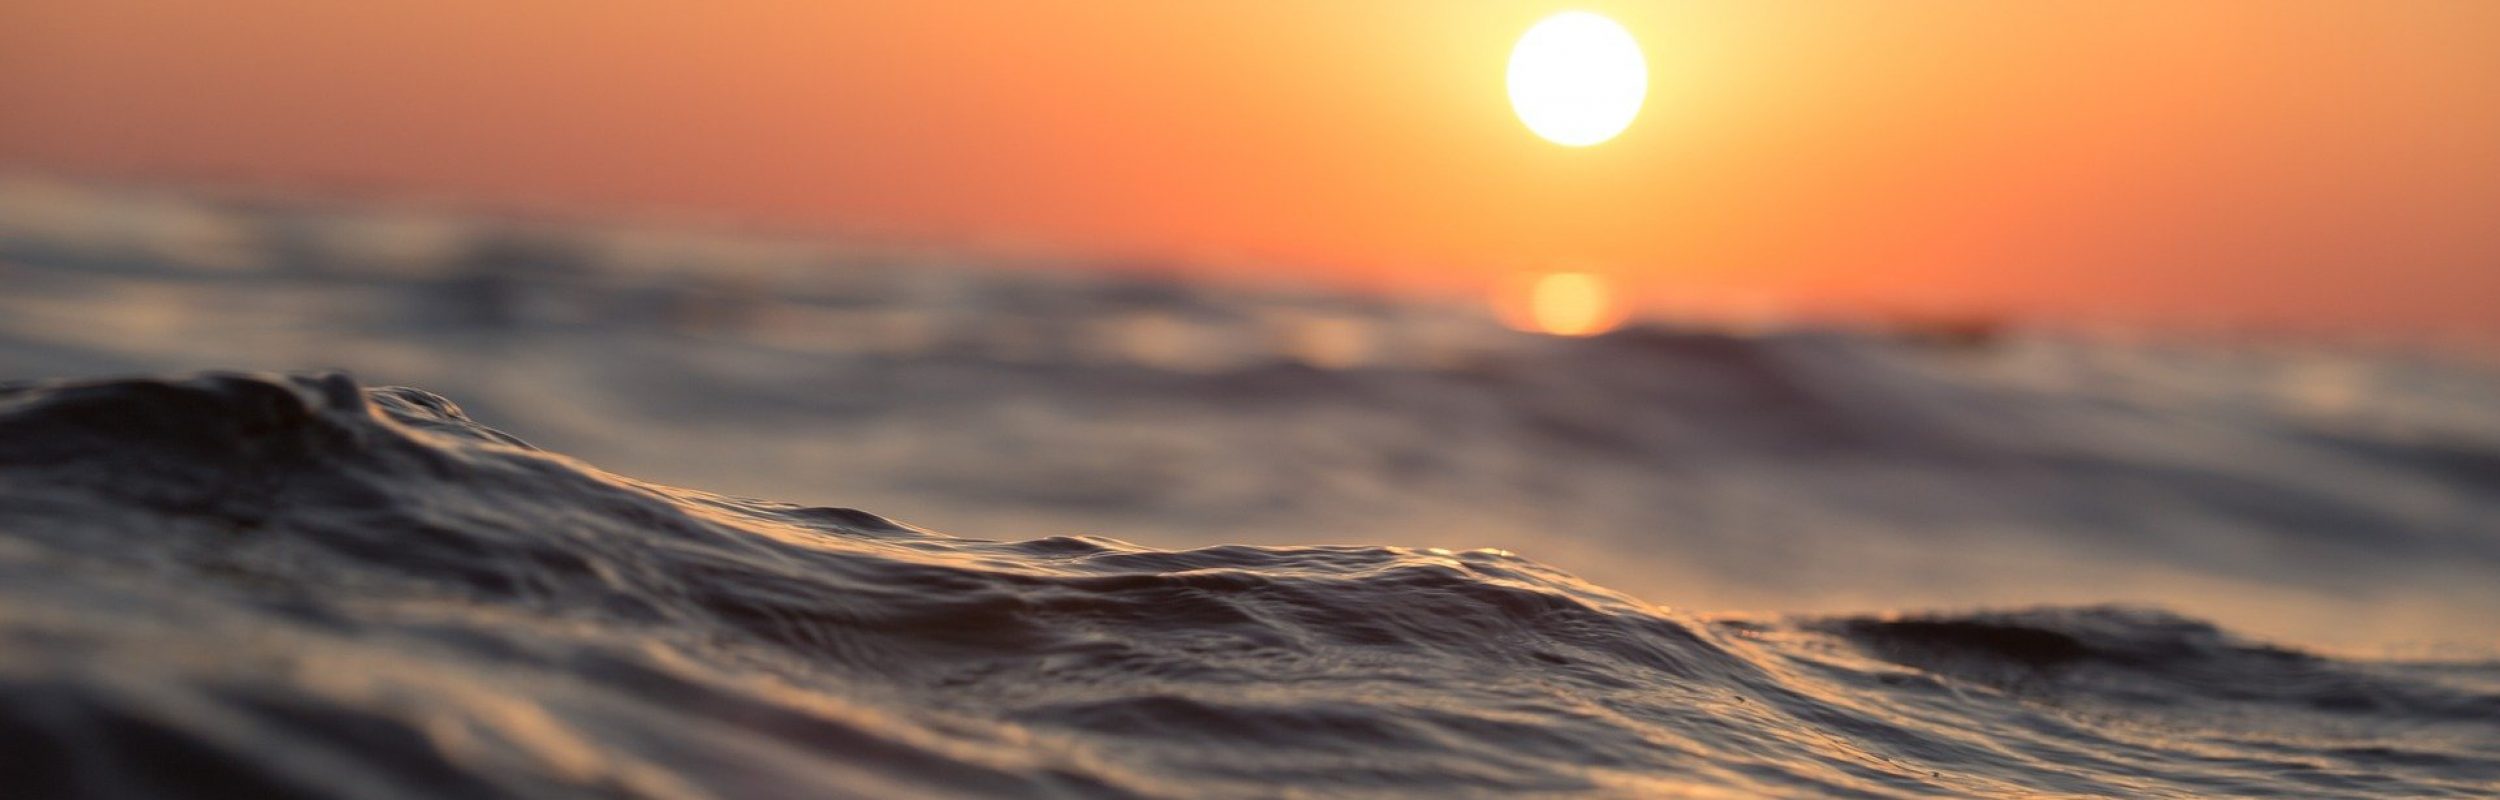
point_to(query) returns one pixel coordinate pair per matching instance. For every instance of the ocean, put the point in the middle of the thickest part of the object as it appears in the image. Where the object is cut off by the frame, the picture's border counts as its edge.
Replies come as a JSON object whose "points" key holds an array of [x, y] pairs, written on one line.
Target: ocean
{"points": [[1199, 538]]}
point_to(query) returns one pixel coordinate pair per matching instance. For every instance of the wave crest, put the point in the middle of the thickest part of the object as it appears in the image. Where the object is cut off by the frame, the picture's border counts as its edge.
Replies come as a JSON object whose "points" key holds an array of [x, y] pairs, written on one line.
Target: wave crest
{"points": [[295, 585]]}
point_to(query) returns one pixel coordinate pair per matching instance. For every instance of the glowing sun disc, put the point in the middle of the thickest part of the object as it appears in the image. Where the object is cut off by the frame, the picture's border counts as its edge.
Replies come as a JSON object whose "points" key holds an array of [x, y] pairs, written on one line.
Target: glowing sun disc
{"points": [[1577, 78]]}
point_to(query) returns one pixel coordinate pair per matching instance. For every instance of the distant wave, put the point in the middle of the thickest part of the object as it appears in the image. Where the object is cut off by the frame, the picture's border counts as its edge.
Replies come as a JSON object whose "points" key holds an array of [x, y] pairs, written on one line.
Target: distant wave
{"points": [[294, 586]]}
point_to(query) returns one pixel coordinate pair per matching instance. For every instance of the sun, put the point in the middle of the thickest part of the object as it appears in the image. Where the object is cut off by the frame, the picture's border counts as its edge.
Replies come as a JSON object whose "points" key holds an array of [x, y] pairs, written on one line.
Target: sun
{"points": [[1577, 78]]}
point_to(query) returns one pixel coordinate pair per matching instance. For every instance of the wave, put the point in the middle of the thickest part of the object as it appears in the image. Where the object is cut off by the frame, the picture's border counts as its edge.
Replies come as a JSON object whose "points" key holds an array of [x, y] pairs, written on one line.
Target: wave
{"points": [[295, 586], [2331, 495]]}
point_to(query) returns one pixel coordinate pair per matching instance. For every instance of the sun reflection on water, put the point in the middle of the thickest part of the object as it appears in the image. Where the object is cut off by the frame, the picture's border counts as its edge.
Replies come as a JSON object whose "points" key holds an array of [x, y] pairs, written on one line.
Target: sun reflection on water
{"points": [[1561, 304]]}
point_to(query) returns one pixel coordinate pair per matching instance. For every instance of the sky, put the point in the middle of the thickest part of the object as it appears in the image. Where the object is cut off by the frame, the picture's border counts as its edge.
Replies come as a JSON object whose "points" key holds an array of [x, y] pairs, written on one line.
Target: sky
{"points": [[2290, 164]]}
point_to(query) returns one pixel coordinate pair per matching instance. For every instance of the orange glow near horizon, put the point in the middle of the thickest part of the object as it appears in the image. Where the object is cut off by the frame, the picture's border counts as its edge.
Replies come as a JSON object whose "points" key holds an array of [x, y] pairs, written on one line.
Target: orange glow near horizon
{"points": [[1561, 304], [2323, 164]]}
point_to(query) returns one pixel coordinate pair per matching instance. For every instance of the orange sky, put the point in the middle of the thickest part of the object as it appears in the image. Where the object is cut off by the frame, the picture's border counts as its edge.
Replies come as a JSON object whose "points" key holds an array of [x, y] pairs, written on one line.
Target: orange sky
{"points": [[2309, 164]]}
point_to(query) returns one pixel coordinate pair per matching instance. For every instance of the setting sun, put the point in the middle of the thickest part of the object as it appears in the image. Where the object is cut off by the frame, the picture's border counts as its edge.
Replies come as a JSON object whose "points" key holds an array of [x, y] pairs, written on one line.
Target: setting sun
{"points": [[1577, 79]]}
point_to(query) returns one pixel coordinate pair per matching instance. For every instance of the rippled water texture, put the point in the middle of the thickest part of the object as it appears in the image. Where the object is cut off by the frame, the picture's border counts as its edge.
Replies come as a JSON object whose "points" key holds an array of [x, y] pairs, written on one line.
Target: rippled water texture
{"points": [[2331, 496], [265, 586]]}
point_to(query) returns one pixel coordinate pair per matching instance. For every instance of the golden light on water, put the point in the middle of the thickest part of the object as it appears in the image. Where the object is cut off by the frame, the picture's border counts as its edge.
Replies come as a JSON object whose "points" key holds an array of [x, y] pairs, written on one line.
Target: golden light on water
{"points": [[1561, 304]]}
